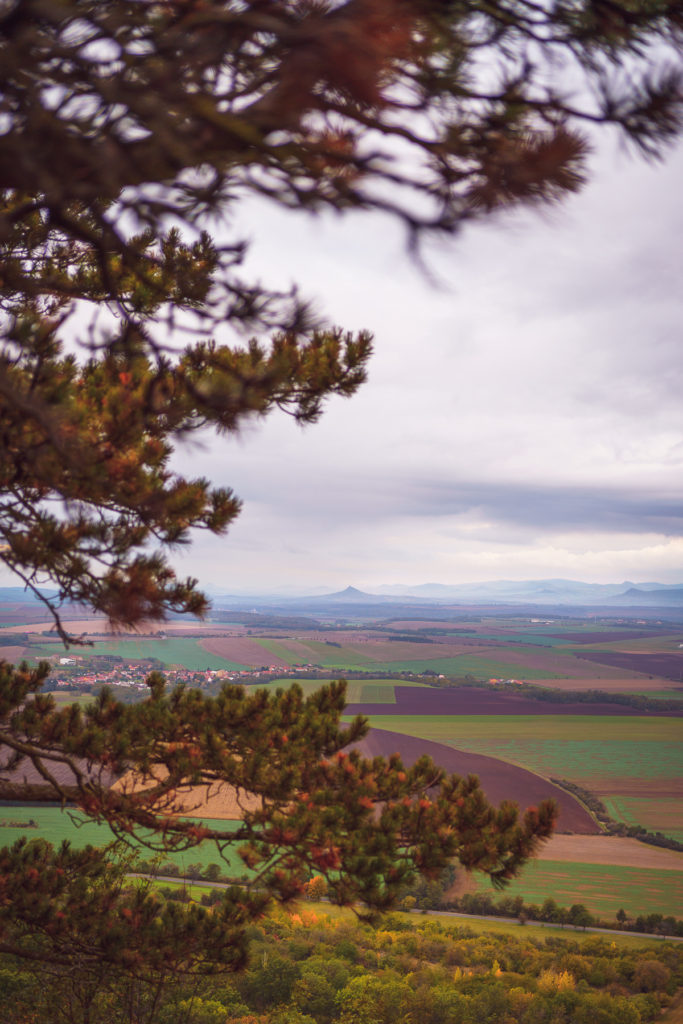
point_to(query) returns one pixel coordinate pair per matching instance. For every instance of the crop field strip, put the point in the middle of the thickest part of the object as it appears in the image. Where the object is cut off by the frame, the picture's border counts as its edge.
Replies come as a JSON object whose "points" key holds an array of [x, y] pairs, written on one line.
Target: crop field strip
{"points": [[663, 815], [602, 889], [465, 664], [654, 664], [666, 643]]}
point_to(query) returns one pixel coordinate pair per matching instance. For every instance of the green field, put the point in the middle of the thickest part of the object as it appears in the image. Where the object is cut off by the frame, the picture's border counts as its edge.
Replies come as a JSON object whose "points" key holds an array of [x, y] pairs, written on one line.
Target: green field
{"points": [[468, 664], [354, 688], [55, 825], [656, 815], [183, 651], [358, 691], [602, 889], [582, 748], [62, 698]]}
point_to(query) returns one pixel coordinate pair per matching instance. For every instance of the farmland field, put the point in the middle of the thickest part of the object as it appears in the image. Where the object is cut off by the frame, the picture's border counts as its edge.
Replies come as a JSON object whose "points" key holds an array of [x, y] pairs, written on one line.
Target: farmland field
{"points": [[602, 889], [665, 666], [315, 652], [633, 761], [184, 651], [505, 700], [664, 815], [581, 748], [358, 691], [467, 664], [605, 849]]}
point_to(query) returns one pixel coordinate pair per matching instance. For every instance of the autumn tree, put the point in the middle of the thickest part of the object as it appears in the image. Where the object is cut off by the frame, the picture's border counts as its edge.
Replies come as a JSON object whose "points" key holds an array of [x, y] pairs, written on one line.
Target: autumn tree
{"points": [[127, 129]]}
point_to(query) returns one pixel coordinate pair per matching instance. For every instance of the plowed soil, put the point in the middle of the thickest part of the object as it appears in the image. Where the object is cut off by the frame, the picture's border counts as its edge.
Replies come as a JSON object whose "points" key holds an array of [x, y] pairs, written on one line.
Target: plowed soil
{"points": [[666, 666], [499, 780]]}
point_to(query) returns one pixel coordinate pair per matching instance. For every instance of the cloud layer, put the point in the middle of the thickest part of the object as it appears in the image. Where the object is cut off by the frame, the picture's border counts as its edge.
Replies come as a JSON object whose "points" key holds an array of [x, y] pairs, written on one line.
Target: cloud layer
{"points": [[523, 414]]}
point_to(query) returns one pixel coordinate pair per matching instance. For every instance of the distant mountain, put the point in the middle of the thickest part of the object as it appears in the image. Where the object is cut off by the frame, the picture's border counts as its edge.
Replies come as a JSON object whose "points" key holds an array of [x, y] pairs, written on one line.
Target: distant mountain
{"points": [[659, 596], [18, 595], [554, 591], [549, 594], [350, 594]]}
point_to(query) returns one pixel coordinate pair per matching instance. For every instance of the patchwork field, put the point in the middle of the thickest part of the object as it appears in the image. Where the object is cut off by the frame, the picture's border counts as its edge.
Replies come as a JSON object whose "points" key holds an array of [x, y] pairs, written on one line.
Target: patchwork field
{"points": [[666, 666], [577, 747], [634, 762], [468, 700]]}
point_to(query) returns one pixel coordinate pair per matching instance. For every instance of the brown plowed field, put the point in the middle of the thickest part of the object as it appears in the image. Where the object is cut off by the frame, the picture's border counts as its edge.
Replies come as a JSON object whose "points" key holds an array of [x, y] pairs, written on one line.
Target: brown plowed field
{"points": [[499, 780], [463, 700], [666, 666], [241, 649]]}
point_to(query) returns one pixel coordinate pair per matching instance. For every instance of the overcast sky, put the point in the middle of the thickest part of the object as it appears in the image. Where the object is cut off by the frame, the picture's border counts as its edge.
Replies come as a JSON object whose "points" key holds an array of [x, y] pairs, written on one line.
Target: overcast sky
{"points": [[523, 415]]}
